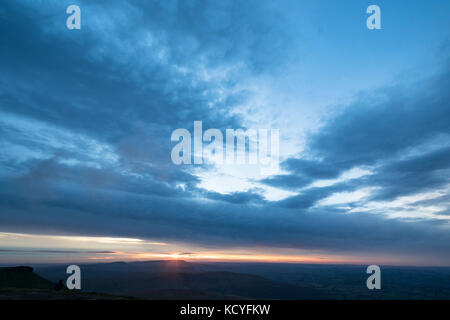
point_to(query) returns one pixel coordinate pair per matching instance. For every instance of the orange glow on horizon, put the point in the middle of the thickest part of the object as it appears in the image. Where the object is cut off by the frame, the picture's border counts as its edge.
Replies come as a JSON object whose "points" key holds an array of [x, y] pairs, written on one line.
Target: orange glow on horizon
{"points": [[27, 248], [226, 257]]}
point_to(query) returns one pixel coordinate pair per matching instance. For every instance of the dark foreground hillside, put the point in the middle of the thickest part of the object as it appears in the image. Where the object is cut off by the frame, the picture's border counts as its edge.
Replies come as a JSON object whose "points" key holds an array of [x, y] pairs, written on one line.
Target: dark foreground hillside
{"points": [[22, 283]]}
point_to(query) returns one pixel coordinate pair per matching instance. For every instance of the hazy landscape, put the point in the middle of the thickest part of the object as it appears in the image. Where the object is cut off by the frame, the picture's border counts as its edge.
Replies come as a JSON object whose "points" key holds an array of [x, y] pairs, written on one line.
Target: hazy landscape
{"points": [[224, 150], [187, 280]]}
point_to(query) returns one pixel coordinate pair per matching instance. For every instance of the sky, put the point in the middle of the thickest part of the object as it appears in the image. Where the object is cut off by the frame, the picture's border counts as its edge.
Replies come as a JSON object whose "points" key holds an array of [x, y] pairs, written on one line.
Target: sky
{"points": [[86, 118]]}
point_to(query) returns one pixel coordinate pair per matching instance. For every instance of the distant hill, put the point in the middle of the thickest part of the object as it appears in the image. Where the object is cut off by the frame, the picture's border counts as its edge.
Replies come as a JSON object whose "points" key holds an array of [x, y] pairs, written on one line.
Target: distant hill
{"points": [[192, 280], [180, 280], [239, 284]]}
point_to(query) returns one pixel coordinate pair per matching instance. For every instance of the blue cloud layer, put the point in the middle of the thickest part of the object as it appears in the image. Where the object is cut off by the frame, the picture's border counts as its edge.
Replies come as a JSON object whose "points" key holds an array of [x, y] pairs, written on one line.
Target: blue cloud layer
{"points": [[87, 117]]}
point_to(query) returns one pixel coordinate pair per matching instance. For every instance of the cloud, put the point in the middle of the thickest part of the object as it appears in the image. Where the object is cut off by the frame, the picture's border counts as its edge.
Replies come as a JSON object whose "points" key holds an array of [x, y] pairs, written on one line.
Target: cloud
{"points": [[401, 132], [237, 197], [57, 204], [87, 117], [54, 251], [302, 172], [380, 125], [418, 174], [214, 224]]}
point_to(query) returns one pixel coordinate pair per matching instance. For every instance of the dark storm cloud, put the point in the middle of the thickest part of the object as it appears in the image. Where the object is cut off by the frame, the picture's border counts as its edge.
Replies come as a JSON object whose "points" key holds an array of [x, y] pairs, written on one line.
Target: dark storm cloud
{"points": [[122, 90], [237, 197], [379, 130], [107, 80], [382, 124], [226, 32], [75, 201], [116, 85], [311, 169], [309, 197], [302, 172], [418, 174], [287, 181], [96, 90], [74, 210]]}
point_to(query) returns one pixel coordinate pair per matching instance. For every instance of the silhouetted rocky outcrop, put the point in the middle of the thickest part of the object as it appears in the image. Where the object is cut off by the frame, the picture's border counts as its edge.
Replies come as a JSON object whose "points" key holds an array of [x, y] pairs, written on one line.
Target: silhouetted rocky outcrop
{"points": [[22, 277], [22, 283]]}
